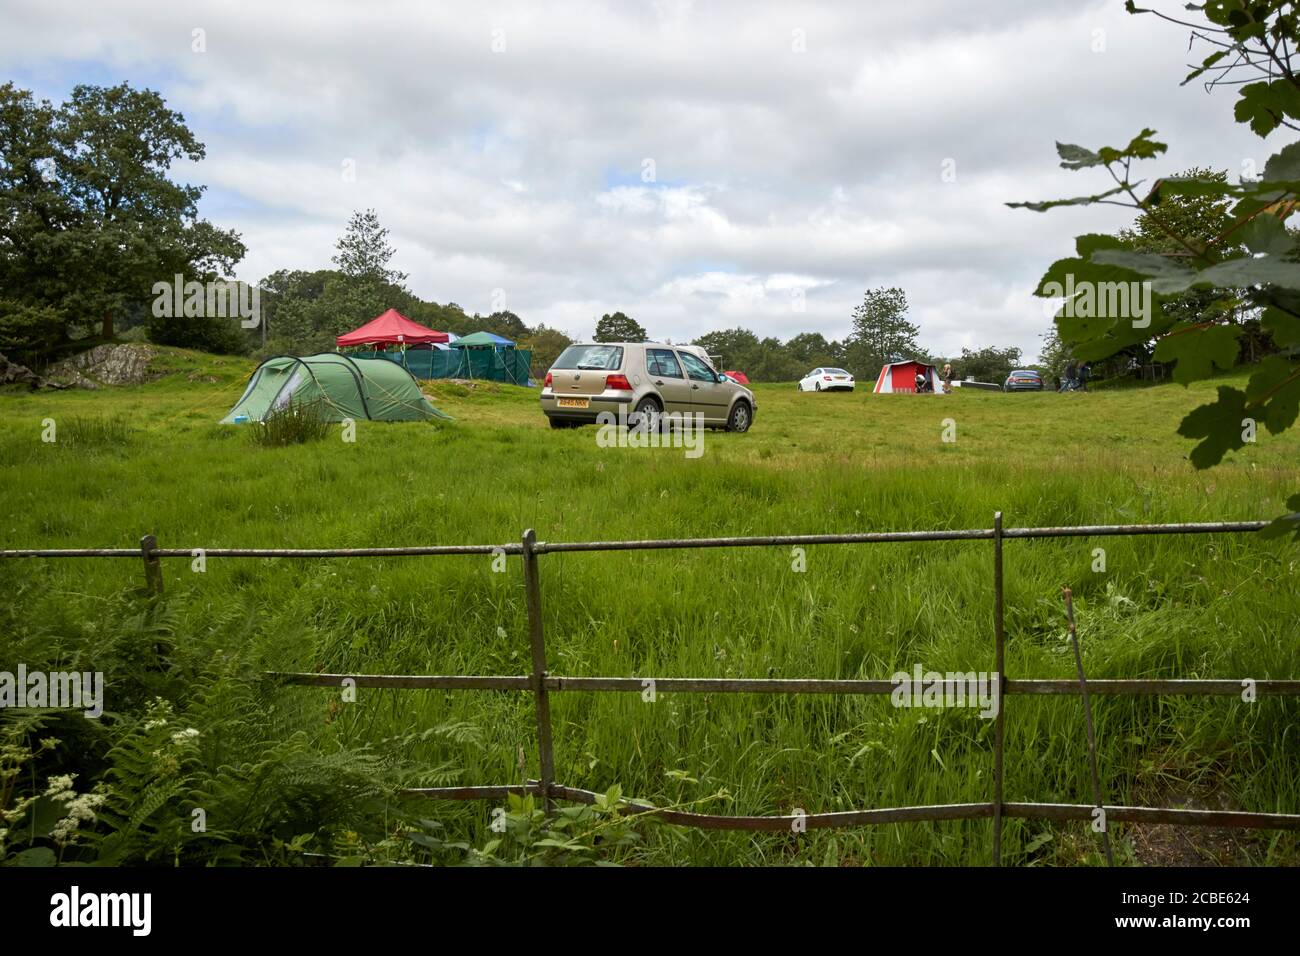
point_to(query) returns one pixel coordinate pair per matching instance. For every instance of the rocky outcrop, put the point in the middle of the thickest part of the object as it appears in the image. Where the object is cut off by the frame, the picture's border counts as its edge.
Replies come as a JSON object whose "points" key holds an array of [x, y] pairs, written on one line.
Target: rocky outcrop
{"points": [[126, 364], [11, 373]]}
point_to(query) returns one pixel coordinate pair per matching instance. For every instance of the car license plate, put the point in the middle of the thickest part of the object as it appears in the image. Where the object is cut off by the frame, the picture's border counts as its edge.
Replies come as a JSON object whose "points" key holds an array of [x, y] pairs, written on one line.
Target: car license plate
{"points": [[573, 402]]}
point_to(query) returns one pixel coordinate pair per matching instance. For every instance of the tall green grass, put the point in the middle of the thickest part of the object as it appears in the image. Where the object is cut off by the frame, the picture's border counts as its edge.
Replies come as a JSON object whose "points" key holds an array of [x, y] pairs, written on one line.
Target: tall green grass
{"points": [[1207, 606], [294, 423], [93, 432]]}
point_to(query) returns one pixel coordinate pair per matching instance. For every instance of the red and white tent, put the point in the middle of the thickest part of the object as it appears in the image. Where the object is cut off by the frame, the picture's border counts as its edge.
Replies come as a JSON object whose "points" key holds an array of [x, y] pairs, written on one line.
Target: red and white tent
{"points": [[391, 328], [901, 377]]}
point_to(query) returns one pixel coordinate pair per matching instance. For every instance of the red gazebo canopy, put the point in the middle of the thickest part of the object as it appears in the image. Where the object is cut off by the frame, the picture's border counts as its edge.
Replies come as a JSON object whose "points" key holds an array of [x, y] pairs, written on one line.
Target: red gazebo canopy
{"points": [[391, 328]]}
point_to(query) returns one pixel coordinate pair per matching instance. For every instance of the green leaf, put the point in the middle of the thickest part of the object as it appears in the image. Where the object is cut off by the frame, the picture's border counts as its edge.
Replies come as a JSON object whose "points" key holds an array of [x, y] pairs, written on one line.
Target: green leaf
{"points": [[1284, 164], [1257, 198], [1090, 242], [1193, 186], [1080, 330], [1282, 326], [832, 855], [1038, 842], [1095, 321], [35, 856], [423, 839], [1076, 201], [1285, 524], [1141, 146], [1076, 157], [1265, 104], [565, 845], [41, 817], [1079, 157], [1219, 426], [1208, 62], [1266, 233], [1230, 14], [1246, 271], [1065, 274], [1274, 390], [1148, 264], [1197, 350]]}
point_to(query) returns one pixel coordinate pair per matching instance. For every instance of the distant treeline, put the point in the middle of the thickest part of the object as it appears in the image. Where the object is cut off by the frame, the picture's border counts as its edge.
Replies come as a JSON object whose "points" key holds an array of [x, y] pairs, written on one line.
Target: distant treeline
{"points": [[771, 360], [90, 225]]}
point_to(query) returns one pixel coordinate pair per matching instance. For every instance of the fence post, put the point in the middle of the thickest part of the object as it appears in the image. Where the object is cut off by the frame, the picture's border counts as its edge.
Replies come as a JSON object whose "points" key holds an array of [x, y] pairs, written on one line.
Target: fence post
{"points": [[999, 726], [153, 577], [533, 590], [1092, 733]]}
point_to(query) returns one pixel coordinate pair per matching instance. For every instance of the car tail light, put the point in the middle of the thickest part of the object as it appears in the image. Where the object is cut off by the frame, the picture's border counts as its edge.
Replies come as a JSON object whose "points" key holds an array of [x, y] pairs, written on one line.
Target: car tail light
{"points": [[827, 377], [617, 383], [548, 379]]}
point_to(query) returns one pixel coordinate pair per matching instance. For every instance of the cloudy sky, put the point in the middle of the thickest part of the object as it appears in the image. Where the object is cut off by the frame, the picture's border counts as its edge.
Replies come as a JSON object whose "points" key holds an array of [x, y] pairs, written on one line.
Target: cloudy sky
{"points": [[696, 165]]}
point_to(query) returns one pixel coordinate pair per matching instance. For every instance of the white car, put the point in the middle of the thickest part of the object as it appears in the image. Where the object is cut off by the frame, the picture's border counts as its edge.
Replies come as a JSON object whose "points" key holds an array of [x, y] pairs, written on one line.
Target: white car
{"points": [[826, 380]]}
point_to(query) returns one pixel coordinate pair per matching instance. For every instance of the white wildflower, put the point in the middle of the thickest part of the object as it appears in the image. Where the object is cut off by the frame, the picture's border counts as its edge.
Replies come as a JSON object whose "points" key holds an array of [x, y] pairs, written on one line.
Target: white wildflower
{"points": [[81, 809], [60, 788]]}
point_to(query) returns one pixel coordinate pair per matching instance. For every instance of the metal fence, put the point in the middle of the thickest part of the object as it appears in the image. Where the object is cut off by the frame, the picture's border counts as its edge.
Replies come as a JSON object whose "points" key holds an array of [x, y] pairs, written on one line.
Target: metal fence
{"points": [[540, 683]]}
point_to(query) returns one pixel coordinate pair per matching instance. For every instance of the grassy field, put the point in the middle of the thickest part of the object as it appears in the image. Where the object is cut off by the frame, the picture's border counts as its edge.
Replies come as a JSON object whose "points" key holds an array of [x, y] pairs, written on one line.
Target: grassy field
{"points": [[151, 459]]}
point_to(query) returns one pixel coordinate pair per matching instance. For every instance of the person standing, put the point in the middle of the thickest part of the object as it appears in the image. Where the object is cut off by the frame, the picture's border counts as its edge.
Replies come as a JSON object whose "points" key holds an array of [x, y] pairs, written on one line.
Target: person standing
{"points": [[947, 377], [1072, 376], [1084, 371]]}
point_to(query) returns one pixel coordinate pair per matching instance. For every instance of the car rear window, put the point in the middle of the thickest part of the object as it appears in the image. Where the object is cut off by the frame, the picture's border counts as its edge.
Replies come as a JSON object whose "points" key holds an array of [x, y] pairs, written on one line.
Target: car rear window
{"points": [[607, 358], [836, 371]]}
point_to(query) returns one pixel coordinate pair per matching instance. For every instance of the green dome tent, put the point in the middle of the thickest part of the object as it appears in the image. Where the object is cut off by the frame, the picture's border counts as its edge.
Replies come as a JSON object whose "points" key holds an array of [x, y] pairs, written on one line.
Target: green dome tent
{"points": [[343, 386]]}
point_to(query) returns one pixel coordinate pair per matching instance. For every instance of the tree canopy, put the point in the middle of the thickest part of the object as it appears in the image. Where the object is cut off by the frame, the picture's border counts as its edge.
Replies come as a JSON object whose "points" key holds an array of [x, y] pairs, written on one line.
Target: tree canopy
{"points": [[881, 332], [619, 328], [364, 253], [90, 218]]}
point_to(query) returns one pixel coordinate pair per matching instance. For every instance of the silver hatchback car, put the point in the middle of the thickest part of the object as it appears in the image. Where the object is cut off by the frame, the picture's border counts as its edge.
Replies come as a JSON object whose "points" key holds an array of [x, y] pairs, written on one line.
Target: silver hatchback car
{"points": [[641, 379]]}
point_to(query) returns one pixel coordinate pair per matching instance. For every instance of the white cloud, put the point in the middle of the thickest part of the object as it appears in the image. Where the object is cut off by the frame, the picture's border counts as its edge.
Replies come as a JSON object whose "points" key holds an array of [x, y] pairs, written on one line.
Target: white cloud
{"points": [[776, 169]]}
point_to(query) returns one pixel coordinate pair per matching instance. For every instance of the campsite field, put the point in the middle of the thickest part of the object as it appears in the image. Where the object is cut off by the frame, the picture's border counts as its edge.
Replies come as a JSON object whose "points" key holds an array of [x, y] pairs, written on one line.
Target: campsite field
{"points": [[151, 459]]}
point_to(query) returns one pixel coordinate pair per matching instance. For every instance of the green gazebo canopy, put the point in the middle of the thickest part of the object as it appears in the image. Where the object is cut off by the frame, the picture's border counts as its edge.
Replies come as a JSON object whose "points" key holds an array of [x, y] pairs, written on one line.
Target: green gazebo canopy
{"points": [[482, 340]]}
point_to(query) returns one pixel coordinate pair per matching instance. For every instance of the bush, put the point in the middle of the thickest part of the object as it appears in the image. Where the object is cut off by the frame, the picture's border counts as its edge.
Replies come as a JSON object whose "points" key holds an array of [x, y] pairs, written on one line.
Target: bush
{"points": [[293, 424], [218, 335], [29, 333]]}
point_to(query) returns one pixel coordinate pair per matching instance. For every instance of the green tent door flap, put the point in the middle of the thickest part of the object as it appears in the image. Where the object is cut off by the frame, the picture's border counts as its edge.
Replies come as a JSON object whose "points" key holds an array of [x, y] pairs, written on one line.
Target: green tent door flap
{"points": [[342, 386]]}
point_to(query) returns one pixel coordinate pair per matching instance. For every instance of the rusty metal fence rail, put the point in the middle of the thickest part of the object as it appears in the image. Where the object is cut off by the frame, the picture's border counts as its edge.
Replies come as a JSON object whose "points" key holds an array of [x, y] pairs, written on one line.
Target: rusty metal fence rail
{"points": [[541, 684]]}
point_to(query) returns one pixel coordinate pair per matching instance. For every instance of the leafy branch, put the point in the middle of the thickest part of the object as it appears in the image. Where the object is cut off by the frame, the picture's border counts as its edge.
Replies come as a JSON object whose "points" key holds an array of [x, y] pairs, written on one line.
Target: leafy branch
{"points": [[1255, 254]]}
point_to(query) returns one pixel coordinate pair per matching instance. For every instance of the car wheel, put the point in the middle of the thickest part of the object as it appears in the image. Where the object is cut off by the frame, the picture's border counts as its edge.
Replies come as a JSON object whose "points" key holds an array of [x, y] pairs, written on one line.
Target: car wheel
{"points": [[740, 418], [817, 387], [559, 423], [646, 415]]}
